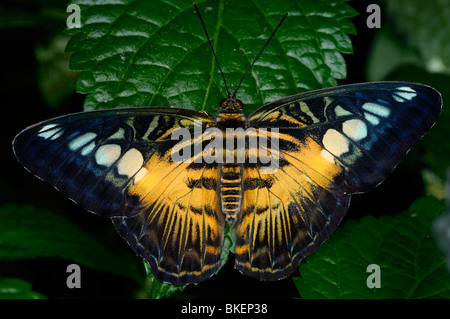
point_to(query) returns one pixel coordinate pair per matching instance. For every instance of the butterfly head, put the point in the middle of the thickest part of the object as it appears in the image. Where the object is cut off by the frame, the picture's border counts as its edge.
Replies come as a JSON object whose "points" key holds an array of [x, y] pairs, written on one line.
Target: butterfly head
{"points": [[231, 104]]}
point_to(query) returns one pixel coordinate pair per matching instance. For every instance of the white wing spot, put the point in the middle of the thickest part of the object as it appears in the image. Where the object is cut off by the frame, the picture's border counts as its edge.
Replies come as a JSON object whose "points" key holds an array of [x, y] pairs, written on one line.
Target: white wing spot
{"points": [[47, 127], [402, 96], [107, 154], [48, 131], [372, 119], [335, 142], [130, 162], [88, 149], [377, 109], [81, 140], [355, 129]]}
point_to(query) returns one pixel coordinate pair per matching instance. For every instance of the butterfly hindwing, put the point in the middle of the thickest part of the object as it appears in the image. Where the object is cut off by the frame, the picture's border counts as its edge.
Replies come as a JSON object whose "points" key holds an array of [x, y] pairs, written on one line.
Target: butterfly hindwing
{"points": [[332, 143], [181, 231], [284, 218], [118, 164]]}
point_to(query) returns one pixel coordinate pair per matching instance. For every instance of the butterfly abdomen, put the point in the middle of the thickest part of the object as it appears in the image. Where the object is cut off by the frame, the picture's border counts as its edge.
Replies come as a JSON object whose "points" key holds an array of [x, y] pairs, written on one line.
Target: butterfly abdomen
{"points": [[231, 191], [232, 126]]}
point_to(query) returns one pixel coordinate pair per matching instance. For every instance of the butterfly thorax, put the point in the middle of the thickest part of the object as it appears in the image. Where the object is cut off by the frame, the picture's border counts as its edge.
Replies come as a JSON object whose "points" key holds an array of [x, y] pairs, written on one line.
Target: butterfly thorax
{"points": [[230, 114], [231, 117]]}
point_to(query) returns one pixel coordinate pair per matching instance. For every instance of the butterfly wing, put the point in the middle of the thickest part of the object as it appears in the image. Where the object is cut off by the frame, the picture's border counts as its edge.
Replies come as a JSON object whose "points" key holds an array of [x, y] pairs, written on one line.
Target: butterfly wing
{"points": [[118, 164], [332, 143]]}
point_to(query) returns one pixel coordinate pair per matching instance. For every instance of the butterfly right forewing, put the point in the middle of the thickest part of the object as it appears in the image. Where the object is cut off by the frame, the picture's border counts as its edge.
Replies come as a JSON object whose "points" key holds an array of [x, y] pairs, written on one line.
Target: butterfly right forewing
{"points": [[363, 129]]}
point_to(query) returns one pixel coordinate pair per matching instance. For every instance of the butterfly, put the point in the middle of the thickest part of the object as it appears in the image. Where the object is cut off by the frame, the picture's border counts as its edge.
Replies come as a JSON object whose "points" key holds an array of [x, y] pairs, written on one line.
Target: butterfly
{"points": [[326, 144]]}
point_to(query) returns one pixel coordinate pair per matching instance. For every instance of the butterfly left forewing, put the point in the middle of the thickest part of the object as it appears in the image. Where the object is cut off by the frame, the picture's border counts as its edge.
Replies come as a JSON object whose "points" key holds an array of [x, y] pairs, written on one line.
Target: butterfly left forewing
{"points": [[93, 157], [119, 164], [332, 143]]}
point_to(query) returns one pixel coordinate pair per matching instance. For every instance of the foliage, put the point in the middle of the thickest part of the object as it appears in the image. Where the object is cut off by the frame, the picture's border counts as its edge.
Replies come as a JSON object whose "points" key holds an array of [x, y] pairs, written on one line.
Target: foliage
{"points": [[411, 265], [141, 53], [13, 288], [27, 232]]}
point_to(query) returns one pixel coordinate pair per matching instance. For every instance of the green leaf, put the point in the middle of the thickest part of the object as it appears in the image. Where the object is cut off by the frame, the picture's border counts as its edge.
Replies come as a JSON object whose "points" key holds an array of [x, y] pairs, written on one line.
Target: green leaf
{"points": [[155, 289], [411, 265], [27, 232], [155, 53], [13, 288]]}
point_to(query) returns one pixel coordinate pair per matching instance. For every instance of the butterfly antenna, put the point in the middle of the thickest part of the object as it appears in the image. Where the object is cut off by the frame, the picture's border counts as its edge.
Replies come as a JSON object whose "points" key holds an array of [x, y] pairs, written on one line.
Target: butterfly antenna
{"points": [[214, 53], [265, 45]]}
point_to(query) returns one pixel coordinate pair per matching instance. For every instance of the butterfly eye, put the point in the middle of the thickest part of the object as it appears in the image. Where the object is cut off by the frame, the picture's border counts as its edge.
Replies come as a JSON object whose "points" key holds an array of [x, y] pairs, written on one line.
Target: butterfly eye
{"points": [[228, 105], [238, 105], [224, 103]]}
